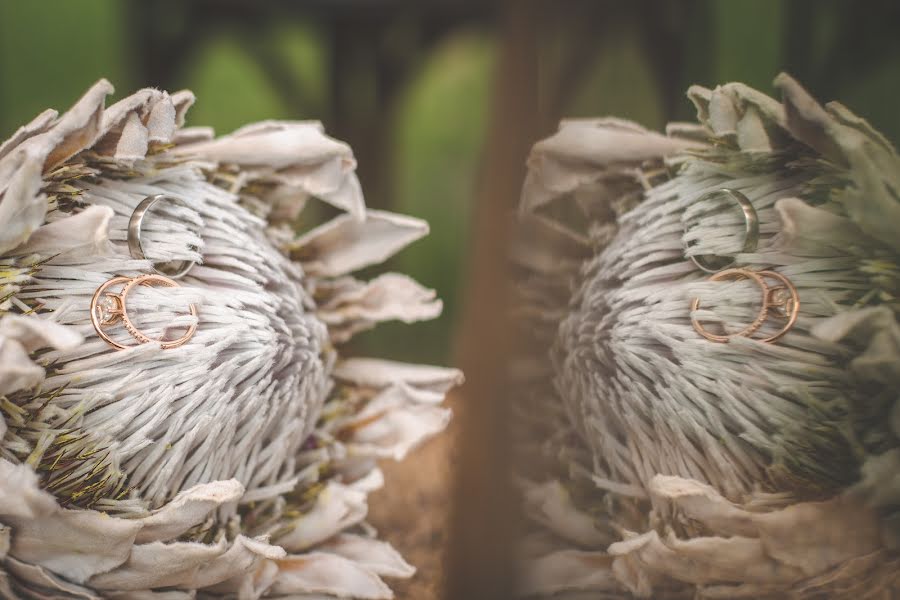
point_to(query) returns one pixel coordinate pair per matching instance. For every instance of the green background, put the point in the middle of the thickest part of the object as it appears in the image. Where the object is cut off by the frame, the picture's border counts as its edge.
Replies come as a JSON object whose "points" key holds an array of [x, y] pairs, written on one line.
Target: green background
{"points": [[409, 84]]}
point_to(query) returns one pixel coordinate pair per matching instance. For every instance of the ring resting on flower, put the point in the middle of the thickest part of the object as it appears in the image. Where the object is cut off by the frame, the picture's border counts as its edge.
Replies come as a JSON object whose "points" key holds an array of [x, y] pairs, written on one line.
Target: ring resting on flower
{"points": [[174, 269], [780, 300], [109, 308], [712, 263]]}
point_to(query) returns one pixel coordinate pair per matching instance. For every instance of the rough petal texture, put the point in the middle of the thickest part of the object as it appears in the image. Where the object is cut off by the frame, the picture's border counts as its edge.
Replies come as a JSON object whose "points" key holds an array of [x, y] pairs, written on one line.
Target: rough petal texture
{"points": [[235, 465], [688, 469]]}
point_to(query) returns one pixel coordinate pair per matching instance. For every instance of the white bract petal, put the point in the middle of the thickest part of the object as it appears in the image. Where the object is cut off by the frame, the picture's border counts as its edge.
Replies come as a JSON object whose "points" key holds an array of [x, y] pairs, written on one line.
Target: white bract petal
{"points": [[376, 556], [380, 373], [187, 509], [330, 575], [567, 571], [337, 508], [347, 244], [158, 564]]}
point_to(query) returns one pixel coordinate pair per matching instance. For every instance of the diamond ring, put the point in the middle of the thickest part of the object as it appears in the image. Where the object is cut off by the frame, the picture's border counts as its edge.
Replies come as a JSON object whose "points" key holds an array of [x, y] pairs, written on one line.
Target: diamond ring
{"points": [[109, 308]]}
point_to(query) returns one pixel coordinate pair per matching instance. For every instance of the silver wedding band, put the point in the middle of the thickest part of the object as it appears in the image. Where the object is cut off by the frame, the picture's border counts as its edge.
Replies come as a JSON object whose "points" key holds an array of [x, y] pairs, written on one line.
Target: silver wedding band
{"points": [[712, 263], [176, 268]]}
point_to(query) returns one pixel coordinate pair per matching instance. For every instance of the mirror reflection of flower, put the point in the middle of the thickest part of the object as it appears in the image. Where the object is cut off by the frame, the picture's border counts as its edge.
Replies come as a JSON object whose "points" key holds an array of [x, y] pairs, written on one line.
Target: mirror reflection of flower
{"points": [[663, 465]]}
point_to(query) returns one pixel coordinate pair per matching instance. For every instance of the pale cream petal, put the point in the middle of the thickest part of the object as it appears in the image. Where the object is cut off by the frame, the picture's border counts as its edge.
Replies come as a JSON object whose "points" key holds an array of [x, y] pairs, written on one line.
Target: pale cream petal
{"points": [[631, 558], [192, 135], [75, 544], [701, 502], [811, 536], [550, 504], [151, 595], [806, 119], [43, 579], [20, 494], [35, 332], [22, 206], [20, 335], [124, 134], [183, 100], [322, 573], [370, 482], [737, 112], [346, 244], [567, 570], [594, 141], [86, 231], [243, 555], [161, 120], [251, 586], [275, 144], [570, 158], [133, 123], [17, 371], [298, 153], [376, 556], [736, 558], [390, 296], [879, 484], [380, 373], [814, 536], [871, 201], [6, 590], [75, 130], [804, 222], [39, 124], [159, 565], [187, 509], [875, 328], [389, 428], [337, 507]]}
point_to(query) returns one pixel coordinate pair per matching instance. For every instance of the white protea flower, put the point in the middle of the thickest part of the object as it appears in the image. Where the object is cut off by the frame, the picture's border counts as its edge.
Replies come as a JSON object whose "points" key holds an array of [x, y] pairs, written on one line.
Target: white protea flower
{"points": [[237, 465], [673, 467]]}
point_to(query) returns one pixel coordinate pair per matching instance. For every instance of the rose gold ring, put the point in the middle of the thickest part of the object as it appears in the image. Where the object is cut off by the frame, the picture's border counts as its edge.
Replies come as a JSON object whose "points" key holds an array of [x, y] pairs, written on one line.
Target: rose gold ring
{"points": [[108, 308], [784, 300], [780, 301]]}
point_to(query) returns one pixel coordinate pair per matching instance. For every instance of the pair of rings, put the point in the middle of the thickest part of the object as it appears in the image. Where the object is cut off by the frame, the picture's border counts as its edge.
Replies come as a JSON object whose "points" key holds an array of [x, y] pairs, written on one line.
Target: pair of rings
{"points": [[109, 307], [779, 300]]}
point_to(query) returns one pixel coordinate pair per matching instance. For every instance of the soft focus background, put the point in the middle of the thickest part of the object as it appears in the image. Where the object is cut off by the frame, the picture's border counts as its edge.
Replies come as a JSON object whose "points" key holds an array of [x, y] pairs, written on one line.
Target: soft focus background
{"points": [[407, 84], [440, 100]]}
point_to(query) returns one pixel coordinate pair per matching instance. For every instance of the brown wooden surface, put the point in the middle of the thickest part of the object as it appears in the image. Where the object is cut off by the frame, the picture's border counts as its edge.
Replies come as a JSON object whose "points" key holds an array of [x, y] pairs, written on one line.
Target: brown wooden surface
{"points": [[412, 513]]}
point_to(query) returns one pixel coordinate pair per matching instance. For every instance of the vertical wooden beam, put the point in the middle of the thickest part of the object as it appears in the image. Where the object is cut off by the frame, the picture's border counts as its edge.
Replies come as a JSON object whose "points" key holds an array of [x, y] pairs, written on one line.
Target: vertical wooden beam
{"points": [[484, 504]]}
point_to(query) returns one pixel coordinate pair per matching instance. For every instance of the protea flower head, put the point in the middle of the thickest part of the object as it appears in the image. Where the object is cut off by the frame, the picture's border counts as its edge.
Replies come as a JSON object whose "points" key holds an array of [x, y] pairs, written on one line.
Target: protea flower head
{"points": [[672, 466], [237, 465]]}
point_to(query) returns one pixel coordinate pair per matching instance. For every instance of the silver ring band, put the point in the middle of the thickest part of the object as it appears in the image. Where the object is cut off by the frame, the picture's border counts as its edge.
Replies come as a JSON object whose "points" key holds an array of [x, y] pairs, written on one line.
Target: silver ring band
{"points": [[751, 232], [180, 267]]}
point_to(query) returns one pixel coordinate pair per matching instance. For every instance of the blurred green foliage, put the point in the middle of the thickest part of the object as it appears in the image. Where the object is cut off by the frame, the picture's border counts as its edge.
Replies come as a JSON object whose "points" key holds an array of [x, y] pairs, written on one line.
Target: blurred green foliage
{"points": [[748, 40], [231, 88], [618, 81], [51, 51], [440, 124], [423, 90]]}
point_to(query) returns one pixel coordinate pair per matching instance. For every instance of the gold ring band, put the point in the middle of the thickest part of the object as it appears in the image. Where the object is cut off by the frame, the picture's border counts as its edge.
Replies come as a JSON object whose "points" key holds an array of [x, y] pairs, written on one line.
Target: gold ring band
{"points": [[108, 308], [782, 300]]}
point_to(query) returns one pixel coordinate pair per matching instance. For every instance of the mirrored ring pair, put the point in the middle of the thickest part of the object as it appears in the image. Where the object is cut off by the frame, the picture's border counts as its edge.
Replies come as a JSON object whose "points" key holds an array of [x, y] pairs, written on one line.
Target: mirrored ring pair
{"points": [[780, 300]]}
